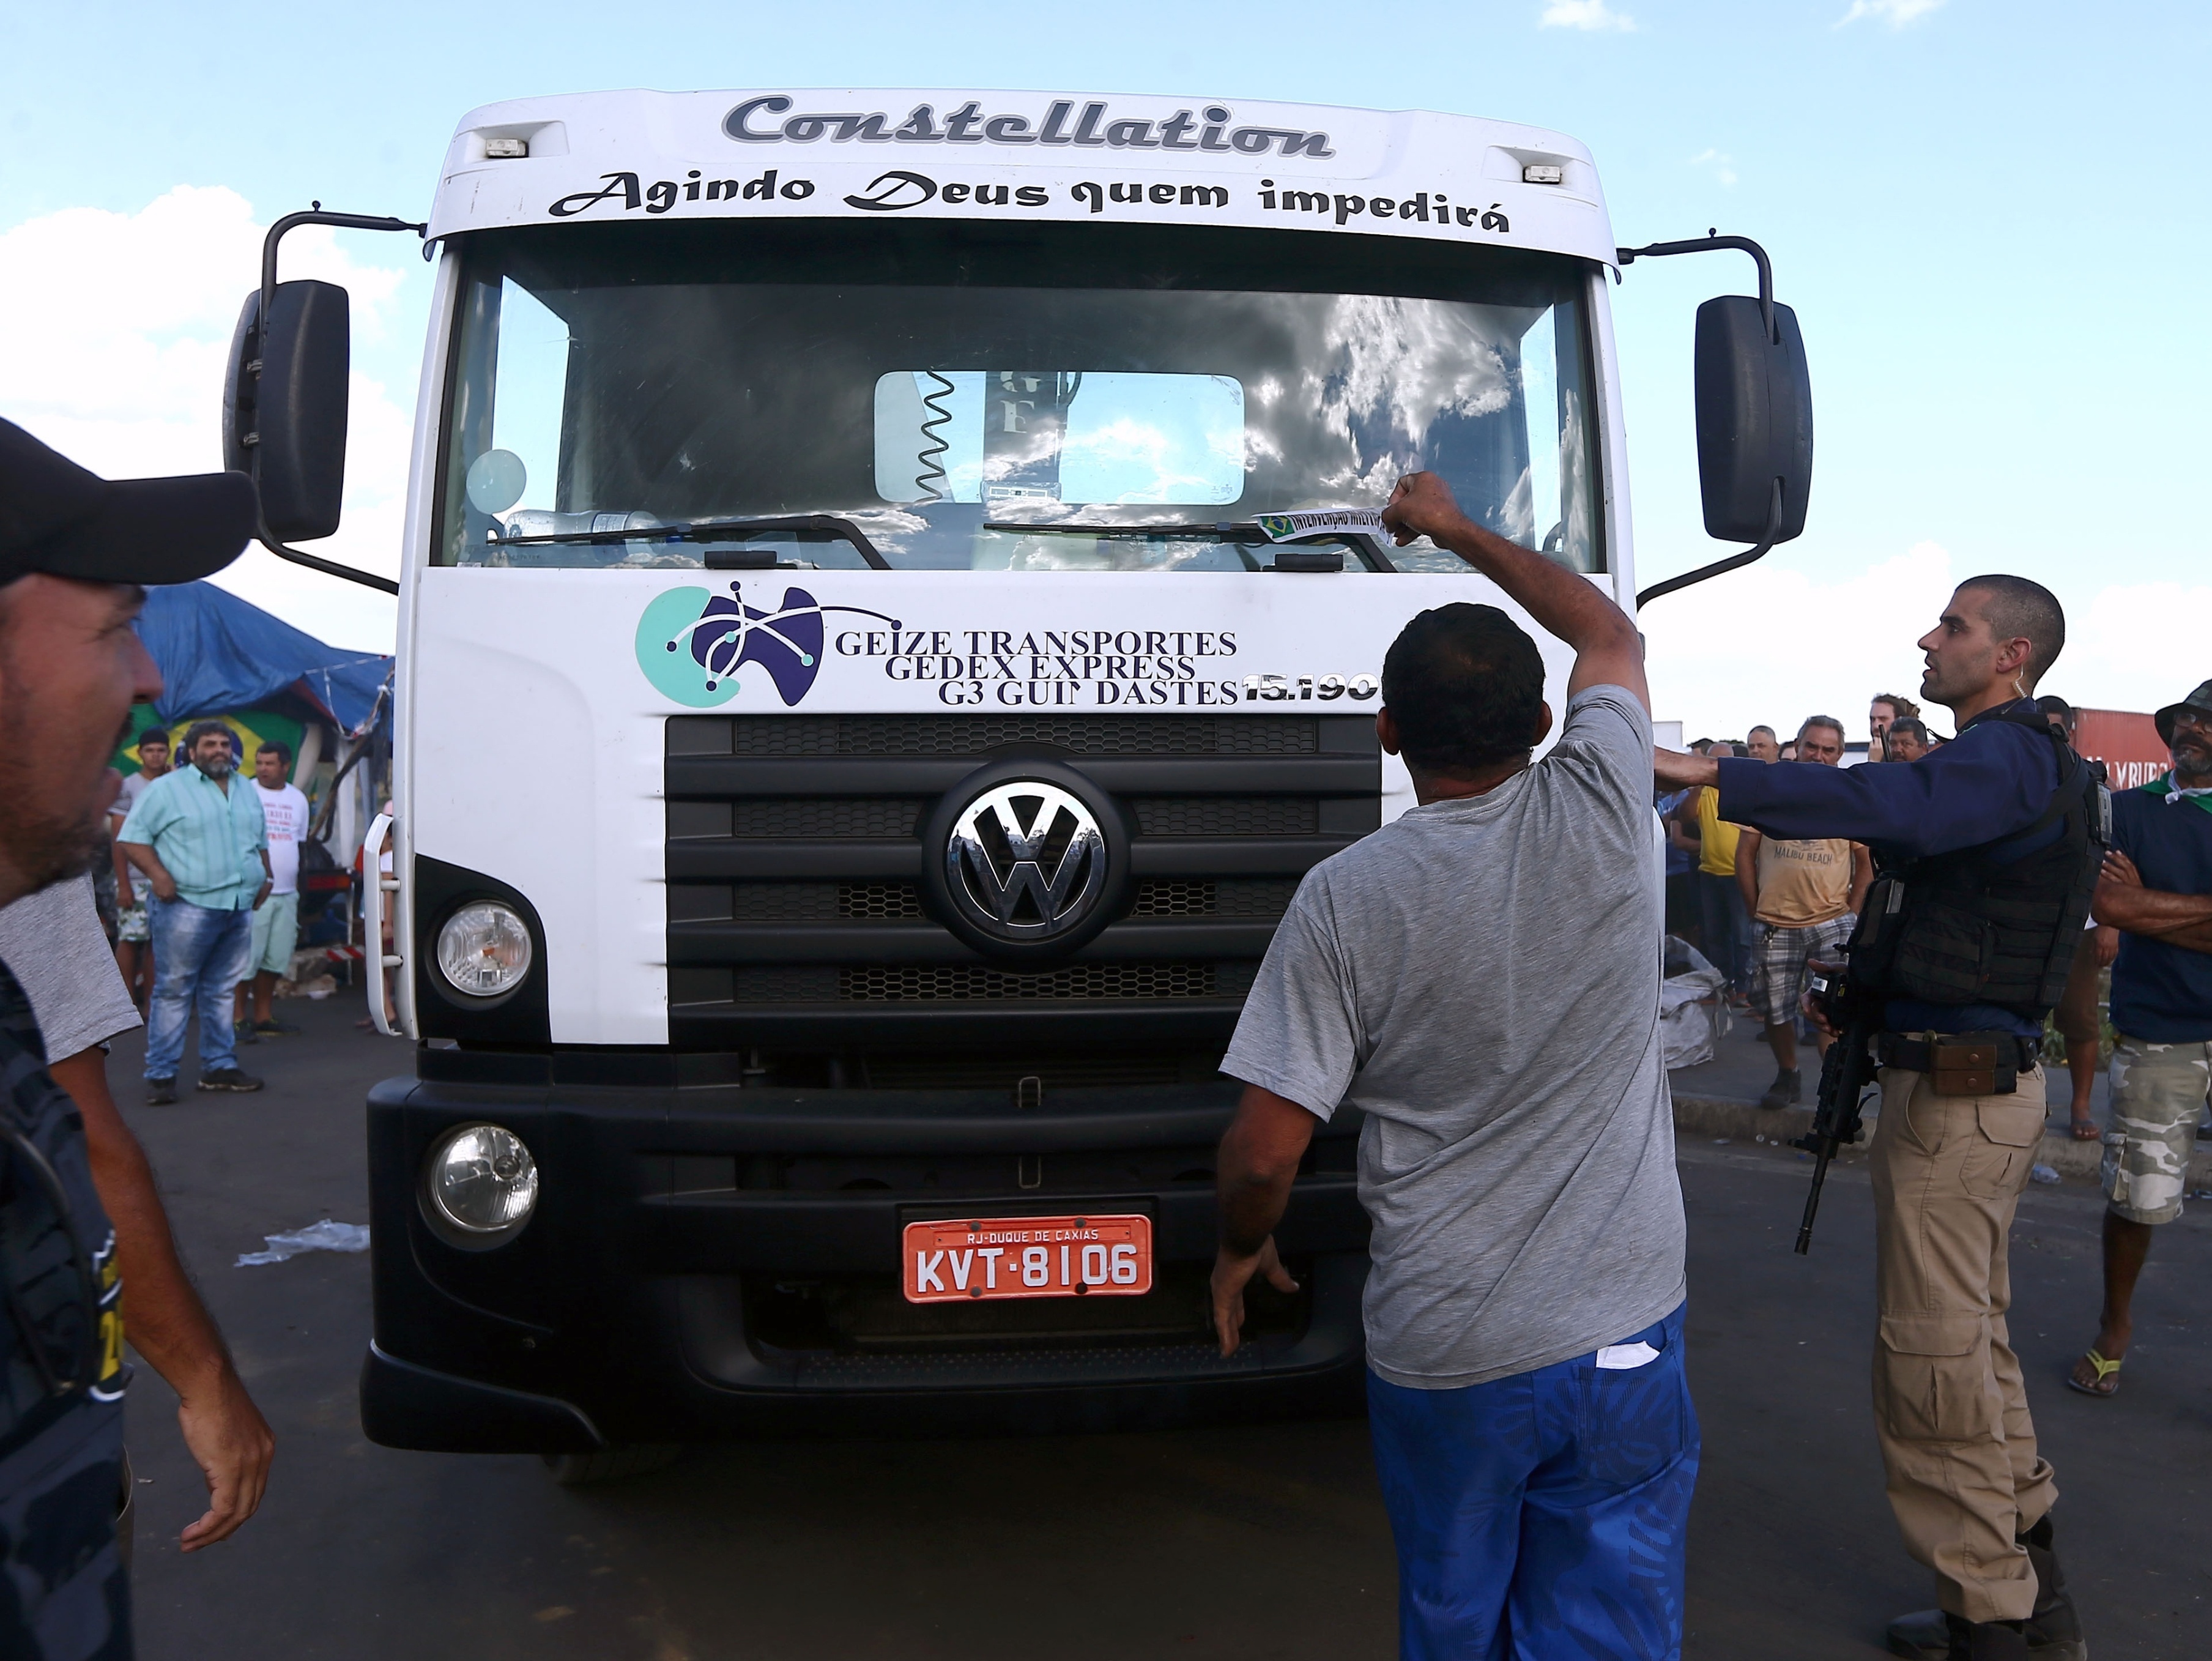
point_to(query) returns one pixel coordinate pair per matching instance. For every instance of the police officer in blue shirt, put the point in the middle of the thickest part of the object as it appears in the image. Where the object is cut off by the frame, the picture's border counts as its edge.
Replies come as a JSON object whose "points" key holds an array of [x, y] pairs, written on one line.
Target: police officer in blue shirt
{"points": [[1989, 849], [74, 550]]}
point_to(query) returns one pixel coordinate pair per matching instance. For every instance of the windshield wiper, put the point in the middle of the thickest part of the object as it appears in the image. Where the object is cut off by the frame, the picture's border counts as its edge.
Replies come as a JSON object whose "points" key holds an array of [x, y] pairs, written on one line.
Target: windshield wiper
{"points": [[1239, 533], [803, 527]]}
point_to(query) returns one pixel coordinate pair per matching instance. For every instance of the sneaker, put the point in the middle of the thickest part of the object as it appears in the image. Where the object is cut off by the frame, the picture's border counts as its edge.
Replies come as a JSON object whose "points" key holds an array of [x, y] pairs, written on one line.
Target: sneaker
{"points": [[228, 1078], [161, 1092], [274, 1029], [242, 1032], [1787, 1089]]}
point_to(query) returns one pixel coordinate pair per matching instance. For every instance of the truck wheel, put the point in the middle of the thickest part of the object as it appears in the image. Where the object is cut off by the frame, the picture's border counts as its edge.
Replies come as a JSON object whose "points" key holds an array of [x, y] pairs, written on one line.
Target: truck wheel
{"points": [[609, 1464]]}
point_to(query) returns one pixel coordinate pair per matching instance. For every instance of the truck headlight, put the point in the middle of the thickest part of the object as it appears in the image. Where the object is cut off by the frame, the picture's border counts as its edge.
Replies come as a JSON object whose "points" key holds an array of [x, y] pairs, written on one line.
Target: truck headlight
{"points": [[482, 1180], [483, 950]]}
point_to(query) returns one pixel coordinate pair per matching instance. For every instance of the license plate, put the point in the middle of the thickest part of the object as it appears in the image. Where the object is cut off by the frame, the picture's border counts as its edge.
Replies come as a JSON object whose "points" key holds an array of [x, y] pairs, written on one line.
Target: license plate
{"points": [[1028, 1257]]}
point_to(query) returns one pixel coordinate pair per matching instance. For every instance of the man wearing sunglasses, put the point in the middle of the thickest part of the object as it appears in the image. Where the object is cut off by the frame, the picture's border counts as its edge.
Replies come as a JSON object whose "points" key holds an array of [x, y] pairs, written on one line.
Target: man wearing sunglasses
{"points": [[75, 552]]}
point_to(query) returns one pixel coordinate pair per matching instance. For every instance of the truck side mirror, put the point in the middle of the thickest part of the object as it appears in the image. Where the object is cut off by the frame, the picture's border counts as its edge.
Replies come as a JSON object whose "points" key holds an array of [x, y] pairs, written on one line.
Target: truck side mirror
{"points": [[1755, 420], [284, 406]]}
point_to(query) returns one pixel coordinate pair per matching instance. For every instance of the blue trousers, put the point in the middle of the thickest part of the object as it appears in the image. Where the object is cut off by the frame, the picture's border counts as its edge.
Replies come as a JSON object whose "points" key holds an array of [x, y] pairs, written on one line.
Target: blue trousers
{"points": [[1541, 1517], [1724, 923], [199, 955]]}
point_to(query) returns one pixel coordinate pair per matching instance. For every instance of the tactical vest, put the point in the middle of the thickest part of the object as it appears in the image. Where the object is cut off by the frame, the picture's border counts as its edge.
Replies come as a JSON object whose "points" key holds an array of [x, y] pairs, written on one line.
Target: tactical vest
{"points": [[1961, 928]]}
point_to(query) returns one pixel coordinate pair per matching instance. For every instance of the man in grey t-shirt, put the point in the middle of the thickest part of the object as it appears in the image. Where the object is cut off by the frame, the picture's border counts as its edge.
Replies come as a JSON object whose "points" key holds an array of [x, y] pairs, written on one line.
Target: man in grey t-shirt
{"points": [[1480, 980]]}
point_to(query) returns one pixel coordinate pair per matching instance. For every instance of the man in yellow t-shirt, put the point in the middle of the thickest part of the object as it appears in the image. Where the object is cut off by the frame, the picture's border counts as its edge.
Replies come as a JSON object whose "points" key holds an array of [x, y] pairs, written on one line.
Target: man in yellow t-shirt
{"points": [[1803, 898], [1723, 925]]}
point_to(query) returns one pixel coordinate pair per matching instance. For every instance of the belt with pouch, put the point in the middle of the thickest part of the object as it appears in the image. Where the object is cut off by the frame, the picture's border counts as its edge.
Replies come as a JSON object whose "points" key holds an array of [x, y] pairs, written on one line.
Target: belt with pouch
{"points": [[1963, 1063]]}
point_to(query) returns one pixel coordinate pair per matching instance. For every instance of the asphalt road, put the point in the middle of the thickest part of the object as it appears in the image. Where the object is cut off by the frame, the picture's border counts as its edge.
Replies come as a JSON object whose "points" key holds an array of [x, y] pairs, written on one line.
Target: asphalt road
{"points": [[1240, 1544]]}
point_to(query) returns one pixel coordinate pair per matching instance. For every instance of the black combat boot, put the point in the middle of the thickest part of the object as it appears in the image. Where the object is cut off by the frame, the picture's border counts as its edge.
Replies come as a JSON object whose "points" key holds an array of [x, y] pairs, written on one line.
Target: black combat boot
{"points": [[1986, 1640], [2054, 1631]]}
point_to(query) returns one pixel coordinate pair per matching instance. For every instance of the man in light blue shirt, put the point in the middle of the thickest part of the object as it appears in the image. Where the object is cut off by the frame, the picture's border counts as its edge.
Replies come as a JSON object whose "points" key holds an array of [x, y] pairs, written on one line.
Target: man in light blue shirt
{"points": [[198, 836]]}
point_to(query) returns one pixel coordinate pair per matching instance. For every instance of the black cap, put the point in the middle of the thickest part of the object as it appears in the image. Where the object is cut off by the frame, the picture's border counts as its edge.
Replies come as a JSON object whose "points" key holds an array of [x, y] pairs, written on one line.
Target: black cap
{"points": [[2200, 700], [55, 517]]}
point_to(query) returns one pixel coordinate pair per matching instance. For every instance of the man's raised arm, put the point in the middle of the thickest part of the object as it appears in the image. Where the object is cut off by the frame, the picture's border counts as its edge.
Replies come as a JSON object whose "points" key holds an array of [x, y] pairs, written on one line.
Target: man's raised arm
{"points": [[1608, 651]]}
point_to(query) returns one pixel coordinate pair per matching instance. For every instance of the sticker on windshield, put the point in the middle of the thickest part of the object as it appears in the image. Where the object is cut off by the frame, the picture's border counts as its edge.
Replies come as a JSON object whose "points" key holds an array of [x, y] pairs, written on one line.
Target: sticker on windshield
{"points": [[1334, 521]]}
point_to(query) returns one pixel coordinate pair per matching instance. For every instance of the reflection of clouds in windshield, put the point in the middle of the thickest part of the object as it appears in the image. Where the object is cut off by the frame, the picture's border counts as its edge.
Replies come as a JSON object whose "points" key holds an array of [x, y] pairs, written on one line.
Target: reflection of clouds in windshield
{"points": [[1071, 553], [1518, 512], [714, 399], [1379, 386], [1137, 461], [1406, 363], [1580, 525], [1132, 448]]}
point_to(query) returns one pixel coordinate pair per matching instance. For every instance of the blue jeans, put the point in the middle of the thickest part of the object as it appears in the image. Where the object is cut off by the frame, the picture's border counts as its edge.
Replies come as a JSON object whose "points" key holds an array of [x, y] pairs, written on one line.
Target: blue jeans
{"points": [[1541, 1517], [198, 954], [1725, 922]]}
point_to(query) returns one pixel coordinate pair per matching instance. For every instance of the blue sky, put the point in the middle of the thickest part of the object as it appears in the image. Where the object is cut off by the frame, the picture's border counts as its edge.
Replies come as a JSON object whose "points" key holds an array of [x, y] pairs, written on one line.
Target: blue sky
{"points": [[1988, 217]]}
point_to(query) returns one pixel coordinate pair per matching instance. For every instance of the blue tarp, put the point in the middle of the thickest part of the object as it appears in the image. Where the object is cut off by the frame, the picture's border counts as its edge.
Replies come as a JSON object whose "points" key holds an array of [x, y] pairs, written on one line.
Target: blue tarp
{"points": [[215, 653]]}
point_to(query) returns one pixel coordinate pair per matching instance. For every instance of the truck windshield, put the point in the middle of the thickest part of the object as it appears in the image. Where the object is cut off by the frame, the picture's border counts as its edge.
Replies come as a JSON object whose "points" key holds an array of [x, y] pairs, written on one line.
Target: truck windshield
{"points": [[1002, 398]]}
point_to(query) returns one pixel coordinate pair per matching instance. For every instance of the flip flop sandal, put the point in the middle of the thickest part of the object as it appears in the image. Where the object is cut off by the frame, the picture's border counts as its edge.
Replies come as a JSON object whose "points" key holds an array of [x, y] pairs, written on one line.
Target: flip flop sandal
{"points": [[2105, 1369]]}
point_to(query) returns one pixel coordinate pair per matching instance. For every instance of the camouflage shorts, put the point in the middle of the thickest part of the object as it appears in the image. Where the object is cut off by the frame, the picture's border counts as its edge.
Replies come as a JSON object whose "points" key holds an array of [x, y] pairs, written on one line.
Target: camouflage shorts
{"points": [[2157, 1097]]}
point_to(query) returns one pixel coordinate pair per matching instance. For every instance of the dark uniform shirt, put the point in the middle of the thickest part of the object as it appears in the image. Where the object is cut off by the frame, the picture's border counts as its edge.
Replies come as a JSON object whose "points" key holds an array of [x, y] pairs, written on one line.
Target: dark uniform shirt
{"points": [[64, 1595], [2162, 994], [1993, 781]]}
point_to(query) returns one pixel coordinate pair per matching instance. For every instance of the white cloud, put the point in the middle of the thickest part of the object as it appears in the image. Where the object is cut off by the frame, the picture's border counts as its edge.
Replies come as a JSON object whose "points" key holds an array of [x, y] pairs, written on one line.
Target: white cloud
{"points": [[1771, 644], [1722, 163], [115, 356], [1895, 13], [2137, 646], [1589, 15]]}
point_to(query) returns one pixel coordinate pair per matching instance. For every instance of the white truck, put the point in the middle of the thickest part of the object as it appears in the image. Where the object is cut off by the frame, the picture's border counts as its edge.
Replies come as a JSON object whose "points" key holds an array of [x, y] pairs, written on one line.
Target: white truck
{"points": [[861, 507]]}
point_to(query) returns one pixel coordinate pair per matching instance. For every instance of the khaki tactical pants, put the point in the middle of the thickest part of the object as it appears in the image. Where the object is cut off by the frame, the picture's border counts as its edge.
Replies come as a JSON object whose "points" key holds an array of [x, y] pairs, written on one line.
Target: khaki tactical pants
{"points": [[1950, 1410]]}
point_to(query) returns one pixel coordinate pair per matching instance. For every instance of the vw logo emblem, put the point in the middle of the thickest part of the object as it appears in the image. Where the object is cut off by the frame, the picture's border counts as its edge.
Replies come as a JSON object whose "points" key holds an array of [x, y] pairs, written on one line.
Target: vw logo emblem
{"points": [[1025, 861]]}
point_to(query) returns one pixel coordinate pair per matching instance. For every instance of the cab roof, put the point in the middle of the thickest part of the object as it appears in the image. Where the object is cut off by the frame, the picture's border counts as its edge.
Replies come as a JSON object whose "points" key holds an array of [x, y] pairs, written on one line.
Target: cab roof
{"points": [[1088, 157]]}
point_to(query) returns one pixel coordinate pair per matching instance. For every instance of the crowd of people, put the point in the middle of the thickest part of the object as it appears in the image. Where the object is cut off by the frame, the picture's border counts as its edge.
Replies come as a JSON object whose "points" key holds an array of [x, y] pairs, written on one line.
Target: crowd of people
{"points": [[1477, 979], [1765, 911], [211, 863]]}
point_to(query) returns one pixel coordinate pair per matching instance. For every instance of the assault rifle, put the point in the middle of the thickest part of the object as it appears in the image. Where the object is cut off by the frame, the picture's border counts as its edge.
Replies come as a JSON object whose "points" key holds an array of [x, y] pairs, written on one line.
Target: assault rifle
{"points": [[1845, 1072]]}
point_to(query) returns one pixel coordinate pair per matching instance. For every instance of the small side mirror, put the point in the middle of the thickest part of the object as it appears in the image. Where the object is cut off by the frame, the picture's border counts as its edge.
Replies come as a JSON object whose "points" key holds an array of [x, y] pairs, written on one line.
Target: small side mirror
{"points": [[284, 402], [1754, 421]]}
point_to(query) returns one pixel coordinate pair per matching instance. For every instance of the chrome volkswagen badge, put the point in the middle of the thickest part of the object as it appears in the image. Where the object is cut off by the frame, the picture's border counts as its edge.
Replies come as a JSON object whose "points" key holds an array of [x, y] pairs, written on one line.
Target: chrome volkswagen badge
{"points": [[1025, 861]]}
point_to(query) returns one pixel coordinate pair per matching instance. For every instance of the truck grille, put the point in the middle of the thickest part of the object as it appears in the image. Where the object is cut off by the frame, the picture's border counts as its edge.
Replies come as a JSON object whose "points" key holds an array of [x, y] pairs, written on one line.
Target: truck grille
{"points": [[1257, 899], [1227, 816], [783, 817], [978, 735], [794, 913], [875, 901], [961, 983], [1088, 980], [1264, 897]]}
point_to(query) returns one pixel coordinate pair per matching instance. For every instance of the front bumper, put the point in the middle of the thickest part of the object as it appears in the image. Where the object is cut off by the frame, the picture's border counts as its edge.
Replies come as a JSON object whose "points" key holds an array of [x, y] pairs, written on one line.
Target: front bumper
{"points": [[662, 1292]]}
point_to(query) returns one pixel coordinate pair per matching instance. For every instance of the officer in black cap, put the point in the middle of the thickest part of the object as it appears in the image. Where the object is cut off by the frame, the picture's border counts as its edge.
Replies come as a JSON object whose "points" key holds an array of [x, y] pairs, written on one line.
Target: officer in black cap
{"points": [[76, 551]]}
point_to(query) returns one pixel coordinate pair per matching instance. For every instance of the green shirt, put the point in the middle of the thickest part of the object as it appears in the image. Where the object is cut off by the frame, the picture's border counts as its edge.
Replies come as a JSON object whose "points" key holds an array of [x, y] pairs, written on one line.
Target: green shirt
{"points": [[210, 839]]}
